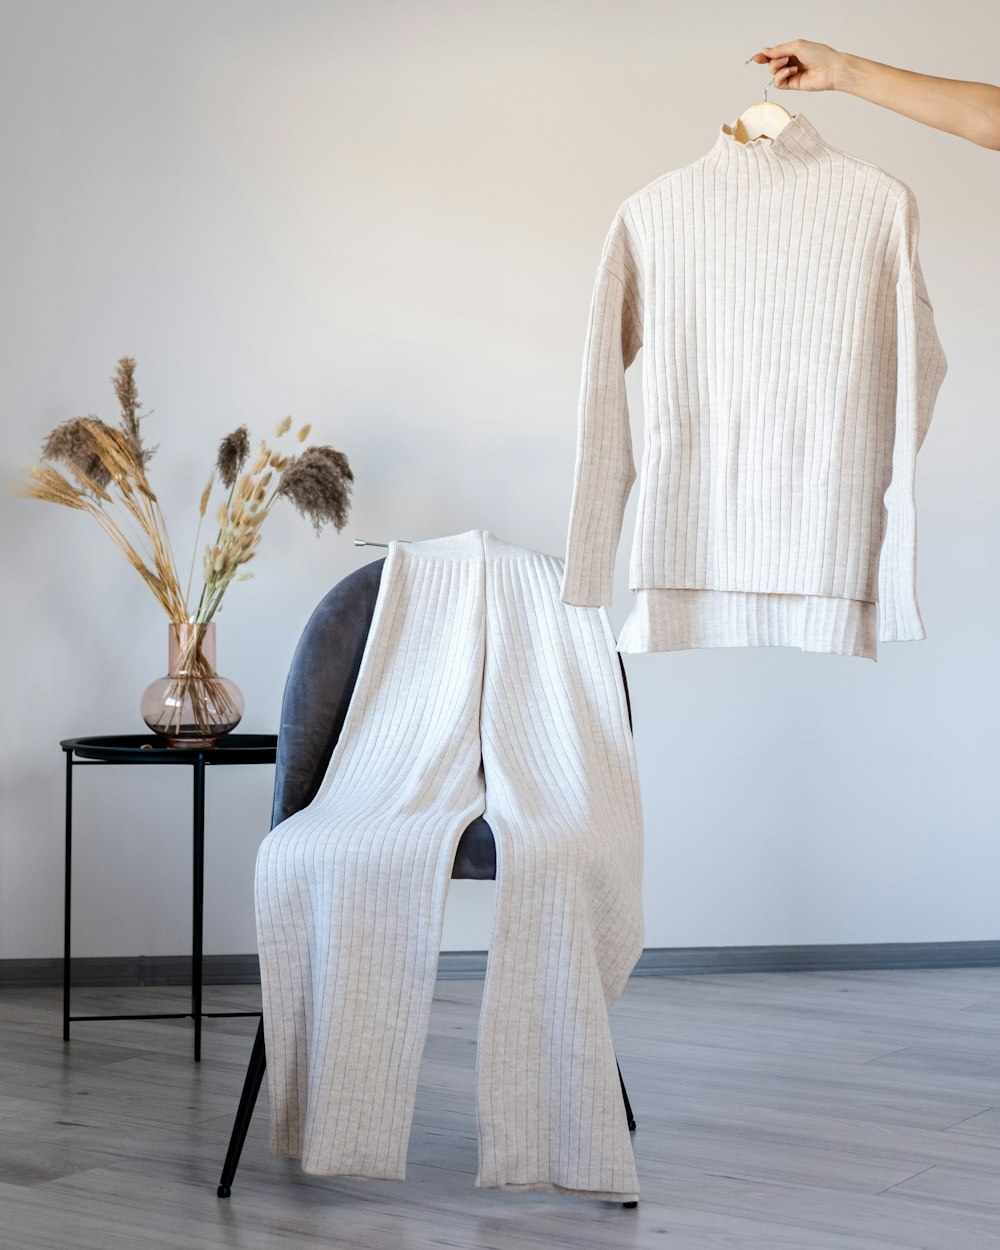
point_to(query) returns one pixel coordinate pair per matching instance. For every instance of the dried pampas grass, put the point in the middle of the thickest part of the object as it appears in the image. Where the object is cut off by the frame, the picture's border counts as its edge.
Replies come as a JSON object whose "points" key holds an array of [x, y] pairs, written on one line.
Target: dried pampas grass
{"points": [[72, 444], [233, 451], [319, 485]]}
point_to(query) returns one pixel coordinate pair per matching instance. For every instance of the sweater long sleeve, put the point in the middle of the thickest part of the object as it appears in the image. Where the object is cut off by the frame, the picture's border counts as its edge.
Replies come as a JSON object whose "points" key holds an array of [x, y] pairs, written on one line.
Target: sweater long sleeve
{"points": [[790, 365], [920, 369], [605, 468]]}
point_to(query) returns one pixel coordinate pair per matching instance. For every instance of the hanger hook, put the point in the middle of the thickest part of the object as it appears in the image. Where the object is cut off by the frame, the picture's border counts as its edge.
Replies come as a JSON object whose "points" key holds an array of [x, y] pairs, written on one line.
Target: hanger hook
{"points": [[769, 81]]}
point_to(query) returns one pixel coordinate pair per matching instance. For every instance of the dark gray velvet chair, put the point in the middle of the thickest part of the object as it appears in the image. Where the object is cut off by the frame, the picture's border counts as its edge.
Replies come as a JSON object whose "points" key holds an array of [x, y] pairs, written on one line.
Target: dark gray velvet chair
{"points": [[317, 694]]}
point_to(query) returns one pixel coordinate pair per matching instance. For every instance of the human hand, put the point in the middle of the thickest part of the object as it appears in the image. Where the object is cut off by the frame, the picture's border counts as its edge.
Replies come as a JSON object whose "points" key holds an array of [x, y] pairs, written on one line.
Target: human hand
{"points": [[802, 66]]}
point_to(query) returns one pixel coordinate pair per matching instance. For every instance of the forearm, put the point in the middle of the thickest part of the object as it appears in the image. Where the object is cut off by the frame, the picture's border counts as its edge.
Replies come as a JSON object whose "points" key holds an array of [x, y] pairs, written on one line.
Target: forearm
{"points": [[968, 109]]}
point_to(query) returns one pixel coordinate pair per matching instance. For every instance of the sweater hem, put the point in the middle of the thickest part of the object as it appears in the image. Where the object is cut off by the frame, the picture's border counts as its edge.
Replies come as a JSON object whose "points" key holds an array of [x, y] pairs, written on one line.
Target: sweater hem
{"points": [[676, 619]]}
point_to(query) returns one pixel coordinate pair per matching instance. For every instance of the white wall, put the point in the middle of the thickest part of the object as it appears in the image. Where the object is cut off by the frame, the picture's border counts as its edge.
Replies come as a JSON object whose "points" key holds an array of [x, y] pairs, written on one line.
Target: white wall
{"points": [[385, 219]]}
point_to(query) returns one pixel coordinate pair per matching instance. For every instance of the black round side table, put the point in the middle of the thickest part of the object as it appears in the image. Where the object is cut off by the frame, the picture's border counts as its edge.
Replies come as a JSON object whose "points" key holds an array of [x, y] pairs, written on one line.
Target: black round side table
{"points": [[149, 749]]}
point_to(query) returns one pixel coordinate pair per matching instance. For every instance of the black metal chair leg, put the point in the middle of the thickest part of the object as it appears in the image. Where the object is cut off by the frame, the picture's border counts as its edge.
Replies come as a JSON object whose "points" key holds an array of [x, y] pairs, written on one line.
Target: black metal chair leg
{"points": [[628, 1106], [244, 1113], [628, 1116]]}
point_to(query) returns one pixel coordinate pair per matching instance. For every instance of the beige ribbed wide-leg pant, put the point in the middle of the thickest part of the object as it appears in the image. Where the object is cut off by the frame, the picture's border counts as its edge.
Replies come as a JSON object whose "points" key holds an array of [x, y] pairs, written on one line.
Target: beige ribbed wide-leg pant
{"points": [[479, 693]]}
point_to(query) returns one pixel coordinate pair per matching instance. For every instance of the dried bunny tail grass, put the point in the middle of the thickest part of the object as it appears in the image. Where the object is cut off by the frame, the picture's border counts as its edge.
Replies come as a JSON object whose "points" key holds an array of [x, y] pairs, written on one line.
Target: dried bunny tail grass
{"points": [[318, 484], [303, 434], [233, 452], [202, 507], [128, 399], [208, 563], [72, 443]]}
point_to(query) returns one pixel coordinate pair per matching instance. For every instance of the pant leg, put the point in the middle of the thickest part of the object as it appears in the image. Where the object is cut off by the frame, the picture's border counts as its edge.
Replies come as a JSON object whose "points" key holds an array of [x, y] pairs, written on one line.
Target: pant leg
{"points": [[562, 798], [351, 890]]}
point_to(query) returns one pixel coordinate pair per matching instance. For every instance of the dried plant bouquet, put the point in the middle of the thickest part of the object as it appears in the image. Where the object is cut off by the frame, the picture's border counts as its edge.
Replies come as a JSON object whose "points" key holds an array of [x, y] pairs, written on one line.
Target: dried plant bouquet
{"points": [[103, 472]]}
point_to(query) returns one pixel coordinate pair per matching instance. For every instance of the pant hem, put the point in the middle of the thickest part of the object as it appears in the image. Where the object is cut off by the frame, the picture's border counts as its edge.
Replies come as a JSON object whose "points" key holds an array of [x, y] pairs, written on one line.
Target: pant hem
{"points": [[552, 1187]]}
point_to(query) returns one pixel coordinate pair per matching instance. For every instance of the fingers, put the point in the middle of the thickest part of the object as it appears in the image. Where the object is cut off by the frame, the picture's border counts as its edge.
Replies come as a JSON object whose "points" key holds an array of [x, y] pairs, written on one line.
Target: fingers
{"points": [[786, 77], [782, 49], [774, 62]]}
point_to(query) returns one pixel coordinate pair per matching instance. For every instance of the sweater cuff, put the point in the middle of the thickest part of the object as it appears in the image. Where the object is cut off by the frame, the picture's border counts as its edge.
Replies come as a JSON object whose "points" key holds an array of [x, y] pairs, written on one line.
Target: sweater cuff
{"points": [[899, 620], [586, 585]]}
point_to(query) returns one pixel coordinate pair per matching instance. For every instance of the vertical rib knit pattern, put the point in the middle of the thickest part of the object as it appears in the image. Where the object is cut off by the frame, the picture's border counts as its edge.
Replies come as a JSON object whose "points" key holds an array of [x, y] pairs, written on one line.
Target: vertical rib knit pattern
{"points": [[790, 370], [674, 620], [479, 693]]}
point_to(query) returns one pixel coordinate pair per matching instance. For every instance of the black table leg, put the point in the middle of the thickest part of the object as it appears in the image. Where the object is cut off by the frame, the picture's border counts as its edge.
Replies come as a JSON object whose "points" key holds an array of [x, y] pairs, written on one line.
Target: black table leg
{"points": [[67, 889], [197, 903]]}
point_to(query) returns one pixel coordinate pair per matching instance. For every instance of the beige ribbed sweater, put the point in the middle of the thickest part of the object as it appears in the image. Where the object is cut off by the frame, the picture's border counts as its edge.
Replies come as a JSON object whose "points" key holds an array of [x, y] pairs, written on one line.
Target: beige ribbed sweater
{"points": [[479, 694], [790, 370]]}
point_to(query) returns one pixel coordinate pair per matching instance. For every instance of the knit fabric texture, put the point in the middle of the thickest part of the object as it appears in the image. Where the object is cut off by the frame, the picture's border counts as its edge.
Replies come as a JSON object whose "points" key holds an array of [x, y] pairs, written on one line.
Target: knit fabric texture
{"points": [[479, 693], [790, 370]]}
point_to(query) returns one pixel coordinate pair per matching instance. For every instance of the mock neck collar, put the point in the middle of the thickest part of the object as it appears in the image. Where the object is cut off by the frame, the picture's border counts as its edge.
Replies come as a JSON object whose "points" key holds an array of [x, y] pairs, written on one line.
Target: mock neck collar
{"points": [[797, 143]]}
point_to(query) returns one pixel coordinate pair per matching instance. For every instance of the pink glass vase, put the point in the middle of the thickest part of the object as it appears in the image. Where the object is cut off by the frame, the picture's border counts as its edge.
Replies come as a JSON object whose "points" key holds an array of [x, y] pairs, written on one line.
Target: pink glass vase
{"points": [[192, 706]]}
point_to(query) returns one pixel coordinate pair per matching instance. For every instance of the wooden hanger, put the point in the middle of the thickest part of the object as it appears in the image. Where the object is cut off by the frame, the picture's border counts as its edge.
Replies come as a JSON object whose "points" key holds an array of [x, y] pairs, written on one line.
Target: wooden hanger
{"points": [[762, 118]]}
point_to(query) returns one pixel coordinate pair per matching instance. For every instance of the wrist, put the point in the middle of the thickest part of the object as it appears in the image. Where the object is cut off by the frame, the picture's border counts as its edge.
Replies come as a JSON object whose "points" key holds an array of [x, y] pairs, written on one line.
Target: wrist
{"points": [[846, 71]]}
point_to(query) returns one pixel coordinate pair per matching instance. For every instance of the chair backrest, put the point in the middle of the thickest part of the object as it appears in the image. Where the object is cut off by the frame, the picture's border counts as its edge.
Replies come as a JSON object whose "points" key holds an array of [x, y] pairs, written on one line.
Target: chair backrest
{"points": [[319, 686], [318, 691]]}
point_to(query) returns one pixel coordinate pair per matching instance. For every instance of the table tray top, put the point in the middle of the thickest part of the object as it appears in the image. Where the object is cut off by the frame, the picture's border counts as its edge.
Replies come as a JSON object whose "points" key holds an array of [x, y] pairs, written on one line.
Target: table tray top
{"points": [[149, 749]]}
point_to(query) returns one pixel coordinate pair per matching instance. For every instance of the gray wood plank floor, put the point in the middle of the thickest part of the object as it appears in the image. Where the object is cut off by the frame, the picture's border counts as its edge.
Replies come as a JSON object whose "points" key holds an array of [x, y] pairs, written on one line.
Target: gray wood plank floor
{"points": [[776, 1111]]}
